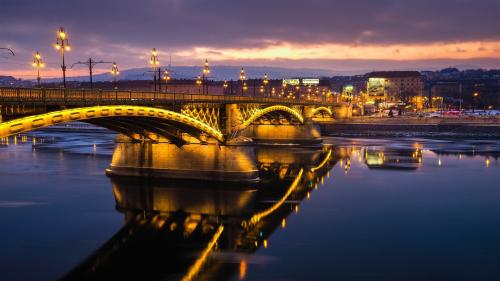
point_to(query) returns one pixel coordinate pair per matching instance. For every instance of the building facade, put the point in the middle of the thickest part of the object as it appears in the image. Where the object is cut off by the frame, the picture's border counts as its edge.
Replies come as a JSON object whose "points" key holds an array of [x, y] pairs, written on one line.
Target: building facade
{"points": [[394, 87]]}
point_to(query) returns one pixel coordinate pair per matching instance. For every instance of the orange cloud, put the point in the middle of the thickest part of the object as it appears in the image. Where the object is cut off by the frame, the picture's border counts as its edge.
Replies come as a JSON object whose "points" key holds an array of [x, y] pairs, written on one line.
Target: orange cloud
{"points": [[462, 50]]}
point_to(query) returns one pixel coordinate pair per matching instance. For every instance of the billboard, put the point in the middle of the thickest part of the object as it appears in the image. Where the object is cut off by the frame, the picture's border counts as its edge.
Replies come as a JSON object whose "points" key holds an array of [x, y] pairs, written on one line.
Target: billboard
{"points": [[292, 82], [376, 86], [310, 81]]}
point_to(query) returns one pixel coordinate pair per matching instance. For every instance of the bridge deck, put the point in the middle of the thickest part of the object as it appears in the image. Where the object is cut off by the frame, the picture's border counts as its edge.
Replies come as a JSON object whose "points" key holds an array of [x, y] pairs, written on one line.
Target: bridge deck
{"points": [[84, 97]]}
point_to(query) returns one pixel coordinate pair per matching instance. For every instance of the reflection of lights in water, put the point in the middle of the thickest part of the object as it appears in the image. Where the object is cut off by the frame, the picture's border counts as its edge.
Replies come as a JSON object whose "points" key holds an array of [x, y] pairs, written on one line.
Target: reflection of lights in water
{"points": [[459, 156], [195, 268], [265, 244], [296, 209], [283, 223], [488, 162], [439, 162], [243, 269], [308, 195]]}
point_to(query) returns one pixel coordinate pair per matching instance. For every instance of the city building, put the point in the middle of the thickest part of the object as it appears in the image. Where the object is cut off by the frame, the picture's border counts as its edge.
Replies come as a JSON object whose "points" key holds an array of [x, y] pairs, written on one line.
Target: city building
{"points": [[389, 88]]}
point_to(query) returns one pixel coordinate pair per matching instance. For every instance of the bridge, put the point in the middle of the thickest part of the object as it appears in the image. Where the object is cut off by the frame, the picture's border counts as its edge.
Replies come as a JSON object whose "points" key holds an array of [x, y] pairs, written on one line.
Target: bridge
{"points": [[209, 130]]}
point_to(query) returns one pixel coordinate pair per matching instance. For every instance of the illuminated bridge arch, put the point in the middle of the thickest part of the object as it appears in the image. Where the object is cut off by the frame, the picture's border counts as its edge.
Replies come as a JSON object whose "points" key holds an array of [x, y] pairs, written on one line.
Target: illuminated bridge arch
{"points": [[322, 109], [258, 113], [112, 117]]}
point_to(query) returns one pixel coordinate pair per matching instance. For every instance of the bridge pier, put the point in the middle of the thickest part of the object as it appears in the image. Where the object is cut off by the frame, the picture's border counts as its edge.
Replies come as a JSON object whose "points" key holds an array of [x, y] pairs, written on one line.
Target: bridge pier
{"points": [[194, 161], [307, 134]]}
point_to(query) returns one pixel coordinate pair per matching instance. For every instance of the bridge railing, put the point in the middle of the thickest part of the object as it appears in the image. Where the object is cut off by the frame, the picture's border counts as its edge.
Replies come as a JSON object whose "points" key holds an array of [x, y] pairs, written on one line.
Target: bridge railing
{"points": [[86, 96]]}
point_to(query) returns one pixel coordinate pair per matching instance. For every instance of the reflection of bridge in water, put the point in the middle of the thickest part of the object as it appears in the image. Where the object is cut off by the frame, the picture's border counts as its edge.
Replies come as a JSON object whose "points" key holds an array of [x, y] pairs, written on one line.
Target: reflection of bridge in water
{"points": [[173, 228], [207, 131]]}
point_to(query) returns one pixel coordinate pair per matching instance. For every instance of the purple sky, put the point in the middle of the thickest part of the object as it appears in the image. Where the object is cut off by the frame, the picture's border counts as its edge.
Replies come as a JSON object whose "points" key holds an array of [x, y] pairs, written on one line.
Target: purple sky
{"points": [[335, 35]]}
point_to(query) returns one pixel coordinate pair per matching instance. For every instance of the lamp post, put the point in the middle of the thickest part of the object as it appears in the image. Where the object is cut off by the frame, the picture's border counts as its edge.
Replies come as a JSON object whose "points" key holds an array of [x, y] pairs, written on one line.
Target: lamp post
{"points": [[154, 62], [199, 83], [115, 72], [166, 77], [225, 85], [475, 97], [38, 63], [62, 44], [206, 72], [265, 82], [243, 77]]}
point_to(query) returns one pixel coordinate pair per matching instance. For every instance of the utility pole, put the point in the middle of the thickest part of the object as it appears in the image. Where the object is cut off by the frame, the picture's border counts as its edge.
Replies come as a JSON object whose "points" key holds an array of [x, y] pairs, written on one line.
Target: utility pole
{"points": [[90, 64], [10, 51]]}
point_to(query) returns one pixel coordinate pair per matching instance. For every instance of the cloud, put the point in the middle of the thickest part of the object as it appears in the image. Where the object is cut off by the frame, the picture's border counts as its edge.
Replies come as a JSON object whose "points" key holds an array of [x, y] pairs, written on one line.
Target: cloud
{"points": [[126, 30]]}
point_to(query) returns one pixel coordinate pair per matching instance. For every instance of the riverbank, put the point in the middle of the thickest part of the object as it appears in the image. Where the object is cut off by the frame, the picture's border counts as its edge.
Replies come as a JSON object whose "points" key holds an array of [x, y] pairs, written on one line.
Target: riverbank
{"points": [[415, 127]]}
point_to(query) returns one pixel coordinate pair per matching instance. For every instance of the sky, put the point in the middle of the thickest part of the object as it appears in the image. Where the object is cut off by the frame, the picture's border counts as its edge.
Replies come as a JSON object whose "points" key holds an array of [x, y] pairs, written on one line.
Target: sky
{"points": [[347, 35]]}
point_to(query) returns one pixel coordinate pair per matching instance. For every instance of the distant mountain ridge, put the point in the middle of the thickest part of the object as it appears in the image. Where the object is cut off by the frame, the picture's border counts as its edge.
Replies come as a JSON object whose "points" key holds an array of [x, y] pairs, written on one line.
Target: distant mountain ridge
{"points": [[217, 73]]}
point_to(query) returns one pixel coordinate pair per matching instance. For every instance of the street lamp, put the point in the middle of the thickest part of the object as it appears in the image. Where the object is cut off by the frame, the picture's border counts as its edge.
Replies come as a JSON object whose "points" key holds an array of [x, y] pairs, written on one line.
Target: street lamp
{"points": [[265, 82], [154, 62], [115, 72], [475, 96], [244, 88], [38, 63], [166, 77], [225, 85], [62, 44], [206, 72], [199, 82], [243, 77]]}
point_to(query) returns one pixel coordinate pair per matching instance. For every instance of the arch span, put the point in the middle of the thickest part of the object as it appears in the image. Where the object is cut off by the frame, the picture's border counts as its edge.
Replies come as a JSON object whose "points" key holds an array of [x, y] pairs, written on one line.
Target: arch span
{"points": [[30, 123], [275, 108], [322, 108]]}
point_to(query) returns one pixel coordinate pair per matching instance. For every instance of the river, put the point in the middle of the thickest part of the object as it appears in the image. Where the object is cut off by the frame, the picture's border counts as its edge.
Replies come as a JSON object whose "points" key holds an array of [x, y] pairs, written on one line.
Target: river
{"points": [[362, 209]]}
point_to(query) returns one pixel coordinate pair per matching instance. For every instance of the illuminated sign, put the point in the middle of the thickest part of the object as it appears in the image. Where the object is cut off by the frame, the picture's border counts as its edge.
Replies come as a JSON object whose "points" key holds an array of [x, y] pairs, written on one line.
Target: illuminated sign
{"points": [[293, 82], [348, 90], [308, 82], [376, 86]]}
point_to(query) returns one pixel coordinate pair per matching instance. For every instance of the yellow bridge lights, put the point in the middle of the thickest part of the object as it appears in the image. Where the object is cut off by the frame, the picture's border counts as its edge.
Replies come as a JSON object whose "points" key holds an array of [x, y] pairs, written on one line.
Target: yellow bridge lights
{"points": [[62, 44], [38, 63]]}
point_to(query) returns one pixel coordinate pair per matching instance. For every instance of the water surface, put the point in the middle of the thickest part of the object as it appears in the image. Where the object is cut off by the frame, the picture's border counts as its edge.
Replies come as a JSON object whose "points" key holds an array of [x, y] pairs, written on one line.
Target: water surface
{"points": [[374, 209]]}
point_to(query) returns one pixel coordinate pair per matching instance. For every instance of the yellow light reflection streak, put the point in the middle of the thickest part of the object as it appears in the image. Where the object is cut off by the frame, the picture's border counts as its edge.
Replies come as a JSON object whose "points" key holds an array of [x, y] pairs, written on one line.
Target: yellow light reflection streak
{"points": [[258, 216], [323, 163], [196, 267]]}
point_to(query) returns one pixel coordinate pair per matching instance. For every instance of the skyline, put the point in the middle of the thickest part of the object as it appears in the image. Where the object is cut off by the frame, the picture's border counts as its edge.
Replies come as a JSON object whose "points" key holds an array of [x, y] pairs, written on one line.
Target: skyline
{"points": [[318, 34]]}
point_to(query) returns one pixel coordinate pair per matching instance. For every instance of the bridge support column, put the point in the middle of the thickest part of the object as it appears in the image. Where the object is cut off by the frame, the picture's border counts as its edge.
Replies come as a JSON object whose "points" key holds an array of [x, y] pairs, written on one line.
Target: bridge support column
{"points": [[191, 161], [233, 117], [307, 134]]}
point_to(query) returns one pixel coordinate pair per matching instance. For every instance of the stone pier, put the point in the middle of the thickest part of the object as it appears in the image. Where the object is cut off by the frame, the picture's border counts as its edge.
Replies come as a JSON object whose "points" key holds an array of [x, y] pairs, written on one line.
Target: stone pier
{"points": [[196, 161], [307, 134]]}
